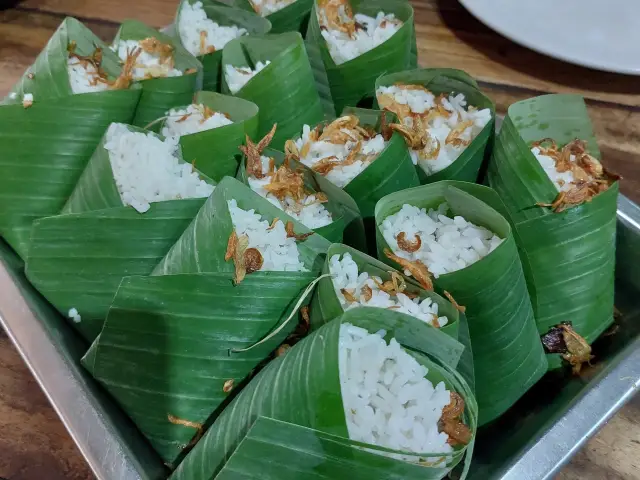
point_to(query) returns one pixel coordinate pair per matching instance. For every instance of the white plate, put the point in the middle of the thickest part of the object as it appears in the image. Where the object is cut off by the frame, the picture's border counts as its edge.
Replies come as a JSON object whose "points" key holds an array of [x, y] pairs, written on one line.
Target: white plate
{"points": [[602, 34]]}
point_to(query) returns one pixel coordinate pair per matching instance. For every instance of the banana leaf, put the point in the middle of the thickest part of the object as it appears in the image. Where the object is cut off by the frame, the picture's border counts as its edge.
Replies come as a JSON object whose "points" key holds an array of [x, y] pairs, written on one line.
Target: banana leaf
{"points": [[345, 213], [78, 260], [449, 80], [214, 151], [285, 90], [165, 346], [48, 79], [227, 16], [161, 94], [202, 246], [292, 18], [568, 257], [303, 387], [325, 305], [46, 146], [353, 82], [507, 355], [96, 188]]}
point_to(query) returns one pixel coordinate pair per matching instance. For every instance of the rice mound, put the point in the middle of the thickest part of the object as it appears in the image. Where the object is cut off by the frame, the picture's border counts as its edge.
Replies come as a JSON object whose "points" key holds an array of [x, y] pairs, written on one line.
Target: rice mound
{"points": [[82, 77], [193, 20], [147, 64], [448, 244], [146, 169], [376, 30], [184, 121], [265, 8], [312, 214], [341, 175], [422, 102], [345, 276], [279, 253], [237, 77], [387, 400], [563, 181]]}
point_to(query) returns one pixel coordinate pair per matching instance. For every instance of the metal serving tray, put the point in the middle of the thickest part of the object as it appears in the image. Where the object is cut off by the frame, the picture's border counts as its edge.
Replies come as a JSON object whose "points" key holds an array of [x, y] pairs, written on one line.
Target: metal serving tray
{"points": [[532, 441]]}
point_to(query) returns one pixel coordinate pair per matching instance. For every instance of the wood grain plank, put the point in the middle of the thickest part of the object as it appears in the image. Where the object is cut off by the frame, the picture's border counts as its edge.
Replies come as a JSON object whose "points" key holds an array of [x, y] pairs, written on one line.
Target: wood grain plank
{"points": [[34, 444], [24, 34], [156, 13]]}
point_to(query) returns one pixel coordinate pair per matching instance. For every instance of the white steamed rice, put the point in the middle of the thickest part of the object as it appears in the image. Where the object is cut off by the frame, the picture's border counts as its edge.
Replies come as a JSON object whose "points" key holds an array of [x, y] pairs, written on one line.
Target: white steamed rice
{"points": [[82, 77], [448, 244], [343, 47], [74, 315], [184, 121], [193, 20], [345, 276], [312, 215], [340, 175], [267, 7], [387, 400], [147, 64], [439, 127], [563, 181], [237, 77], [279, 253], [146, 169]]}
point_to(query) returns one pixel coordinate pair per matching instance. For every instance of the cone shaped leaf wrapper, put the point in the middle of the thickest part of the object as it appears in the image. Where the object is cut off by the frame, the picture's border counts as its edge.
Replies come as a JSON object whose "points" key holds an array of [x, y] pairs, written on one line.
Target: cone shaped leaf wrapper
{"points": [[293, 17], [161, 94], [507, 355], [568, 257], [303, 387], [225, 15], [451, 81], [284, 90], [353, 82], [214, 151]]}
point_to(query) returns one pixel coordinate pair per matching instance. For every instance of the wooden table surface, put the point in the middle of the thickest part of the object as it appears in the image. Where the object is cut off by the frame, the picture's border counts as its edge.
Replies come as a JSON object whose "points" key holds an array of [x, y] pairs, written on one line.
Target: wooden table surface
{"points": [[33, 442]]}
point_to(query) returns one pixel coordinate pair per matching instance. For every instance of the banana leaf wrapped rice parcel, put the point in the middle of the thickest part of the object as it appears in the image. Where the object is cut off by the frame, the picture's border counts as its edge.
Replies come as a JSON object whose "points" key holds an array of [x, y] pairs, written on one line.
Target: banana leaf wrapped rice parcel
{"points": [[273, 72], [445, 119], [353, 378], [236, 273], [206, 26], [447, 235], [133, 200], [294, 189], [562, 204], [211, 129], [168, 74], [355, 49], [78, 75]]}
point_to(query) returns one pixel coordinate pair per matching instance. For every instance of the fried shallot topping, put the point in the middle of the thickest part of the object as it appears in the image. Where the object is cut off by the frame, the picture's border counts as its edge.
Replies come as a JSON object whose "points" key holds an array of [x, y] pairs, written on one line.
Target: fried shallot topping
{"points": [[253, 153], [418, 270], [460, 308], [228, 386], [153, 46], [590, 177], [291, 234], [337, 15], [244, 259], [406, 245], [563, 339], [451, 423], [204, 49], [366, 293], [348, 295], [394, 286], [125, 79]]}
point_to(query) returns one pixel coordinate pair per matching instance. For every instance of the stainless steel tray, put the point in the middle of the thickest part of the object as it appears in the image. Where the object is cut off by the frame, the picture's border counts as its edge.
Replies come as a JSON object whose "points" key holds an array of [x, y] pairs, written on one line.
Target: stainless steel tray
{"points": [[531, 441]]}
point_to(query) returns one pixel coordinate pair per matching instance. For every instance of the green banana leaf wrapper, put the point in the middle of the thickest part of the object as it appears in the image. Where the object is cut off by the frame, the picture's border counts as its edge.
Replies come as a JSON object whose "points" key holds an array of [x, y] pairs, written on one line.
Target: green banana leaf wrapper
{"points": [[302, 387], [161, 94], [165, 346], [78, 258], [353, 82], [96, 188], [507, 355], [214, 151], [55, 137], [202, 246], [225, 15], [449, 80], [292, 18], [285, 90], [568, 257], [347, 222]]}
